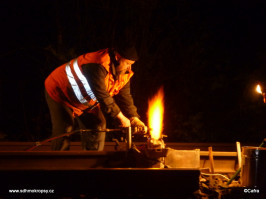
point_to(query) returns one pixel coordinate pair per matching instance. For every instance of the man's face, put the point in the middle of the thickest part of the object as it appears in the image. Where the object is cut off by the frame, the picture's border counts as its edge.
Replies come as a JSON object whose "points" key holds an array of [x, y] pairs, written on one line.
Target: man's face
{"points": [[124, 65]]}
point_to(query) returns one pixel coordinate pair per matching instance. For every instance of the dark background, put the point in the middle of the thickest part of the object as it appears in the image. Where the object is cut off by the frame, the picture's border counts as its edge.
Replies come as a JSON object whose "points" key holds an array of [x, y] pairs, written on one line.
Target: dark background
{"points": [[208, 55]]}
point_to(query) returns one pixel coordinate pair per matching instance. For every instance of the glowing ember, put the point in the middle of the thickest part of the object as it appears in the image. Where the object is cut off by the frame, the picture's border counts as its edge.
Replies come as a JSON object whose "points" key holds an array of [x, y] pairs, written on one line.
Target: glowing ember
{"points": [[155, 115], [258, 89]]}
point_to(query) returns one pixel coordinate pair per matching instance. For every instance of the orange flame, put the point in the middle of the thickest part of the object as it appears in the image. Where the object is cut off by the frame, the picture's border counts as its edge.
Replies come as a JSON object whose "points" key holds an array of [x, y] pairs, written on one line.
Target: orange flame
{"points": [[258, 89], [155, 114]]}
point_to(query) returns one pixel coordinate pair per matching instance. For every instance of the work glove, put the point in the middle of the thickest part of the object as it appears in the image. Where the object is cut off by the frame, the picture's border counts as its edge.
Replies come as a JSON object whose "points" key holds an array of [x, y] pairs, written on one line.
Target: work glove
{"points": [[138, 124]]}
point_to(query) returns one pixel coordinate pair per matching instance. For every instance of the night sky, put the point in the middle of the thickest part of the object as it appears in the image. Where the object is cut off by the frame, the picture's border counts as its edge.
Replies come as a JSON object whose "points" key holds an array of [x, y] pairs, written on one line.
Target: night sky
{"points": [[208, 55]]}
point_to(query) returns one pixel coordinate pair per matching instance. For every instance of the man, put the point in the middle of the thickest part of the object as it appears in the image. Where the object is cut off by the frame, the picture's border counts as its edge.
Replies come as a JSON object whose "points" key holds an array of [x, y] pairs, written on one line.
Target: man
{"points": [[86, 90]]}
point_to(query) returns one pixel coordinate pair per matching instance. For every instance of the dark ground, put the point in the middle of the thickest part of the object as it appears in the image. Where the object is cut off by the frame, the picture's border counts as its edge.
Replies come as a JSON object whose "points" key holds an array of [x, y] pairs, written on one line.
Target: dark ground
{"points": [[208, 56]]}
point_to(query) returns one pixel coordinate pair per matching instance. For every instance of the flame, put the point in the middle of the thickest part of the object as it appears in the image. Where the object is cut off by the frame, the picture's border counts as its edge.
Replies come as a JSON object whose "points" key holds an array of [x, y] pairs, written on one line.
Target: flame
{"points": [[258, 89], [155, 114]]}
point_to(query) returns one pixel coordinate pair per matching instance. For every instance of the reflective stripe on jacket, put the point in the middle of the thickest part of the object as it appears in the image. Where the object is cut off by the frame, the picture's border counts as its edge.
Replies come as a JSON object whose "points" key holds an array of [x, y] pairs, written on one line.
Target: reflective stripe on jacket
{"points": [[67, 84]]}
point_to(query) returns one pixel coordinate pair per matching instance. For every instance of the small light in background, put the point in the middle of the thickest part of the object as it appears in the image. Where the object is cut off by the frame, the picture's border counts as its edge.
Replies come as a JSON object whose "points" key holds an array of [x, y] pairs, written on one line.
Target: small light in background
{"points": [[260, 90]]}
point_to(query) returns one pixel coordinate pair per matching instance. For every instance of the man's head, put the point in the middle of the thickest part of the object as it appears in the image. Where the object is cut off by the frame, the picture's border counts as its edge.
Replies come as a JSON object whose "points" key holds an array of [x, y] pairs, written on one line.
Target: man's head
{"points": [[123, 64], [125, 58]]}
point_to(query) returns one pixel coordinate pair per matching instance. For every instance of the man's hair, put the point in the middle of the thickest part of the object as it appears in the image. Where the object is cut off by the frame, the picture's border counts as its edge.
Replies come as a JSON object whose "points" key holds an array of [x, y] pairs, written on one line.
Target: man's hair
{"points": [[128, 52]]}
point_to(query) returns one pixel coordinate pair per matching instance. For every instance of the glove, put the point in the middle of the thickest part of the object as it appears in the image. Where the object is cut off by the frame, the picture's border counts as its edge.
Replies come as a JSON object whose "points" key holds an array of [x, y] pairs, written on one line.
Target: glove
{"points": [[139, 126], [135, 122]]}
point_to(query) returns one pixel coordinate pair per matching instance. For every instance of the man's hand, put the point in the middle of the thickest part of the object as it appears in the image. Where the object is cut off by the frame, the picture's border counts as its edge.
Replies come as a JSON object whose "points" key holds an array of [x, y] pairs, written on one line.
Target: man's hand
{"points": [[135, 122], [124, 122]]}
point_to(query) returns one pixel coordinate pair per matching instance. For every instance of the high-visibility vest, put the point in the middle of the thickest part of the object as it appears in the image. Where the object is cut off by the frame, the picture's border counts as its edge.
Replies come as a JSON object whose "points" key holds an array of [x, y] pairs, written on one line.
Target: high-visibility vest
{"points": [[67, 84]]}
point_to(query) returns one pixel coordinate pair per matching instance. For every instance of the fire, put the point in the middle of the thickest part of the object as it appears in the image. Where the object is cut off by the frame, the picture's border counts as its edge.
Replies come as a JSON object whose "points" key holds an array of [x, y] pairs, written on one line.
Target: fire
{"points": [[258, 89], [155, 115]]}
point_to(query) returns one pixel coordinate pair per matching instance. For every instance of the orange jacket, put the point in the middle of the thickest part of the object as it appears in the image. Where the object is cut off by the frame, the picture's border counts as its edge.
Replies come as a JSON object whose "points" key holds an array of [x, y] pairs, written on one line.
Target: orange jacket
{"points": [[67, 85]]}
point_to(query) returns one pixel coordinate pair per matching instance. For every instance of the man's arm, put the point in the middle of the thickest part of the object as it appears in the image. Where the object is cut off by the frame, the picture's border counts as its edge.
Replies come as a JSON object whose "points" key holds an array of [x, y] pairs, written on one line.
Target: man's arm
{"points": [[125, 101], [95, 75]]}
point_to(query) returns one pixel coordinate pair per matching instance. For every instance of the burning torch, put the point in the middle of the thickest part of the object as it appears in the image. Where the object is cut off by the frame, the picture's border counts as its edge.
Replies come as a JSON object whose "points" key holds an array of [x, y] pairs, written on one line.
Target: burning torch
{"points": [[261, 91], [155, 143]]}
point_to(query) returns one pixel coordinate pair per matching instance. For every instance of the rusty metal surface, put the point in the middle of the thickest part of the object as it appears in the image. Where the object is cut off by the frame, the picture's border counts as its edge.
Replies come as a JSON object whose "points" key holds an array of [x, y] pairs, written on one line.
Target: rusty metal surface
{"points": [[23, 146], [64, 160], [75, 146], [225, 157]]}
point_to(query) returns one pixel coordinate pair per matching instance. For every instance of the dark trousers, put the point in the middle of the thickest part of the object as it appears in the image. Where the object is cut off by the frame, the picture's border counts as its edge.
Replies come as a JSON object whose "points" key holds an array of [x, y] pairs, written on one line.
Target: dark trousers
{"points": [[63, 121]]}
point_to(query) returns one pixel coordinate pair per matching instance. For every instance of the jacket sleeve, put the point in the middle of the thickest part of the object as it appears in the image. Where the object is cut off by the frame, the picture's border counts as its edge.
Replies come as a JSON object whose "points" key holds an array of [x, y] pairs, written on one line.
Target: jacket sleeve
{"points": [[95, 74], [125, 101]]}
